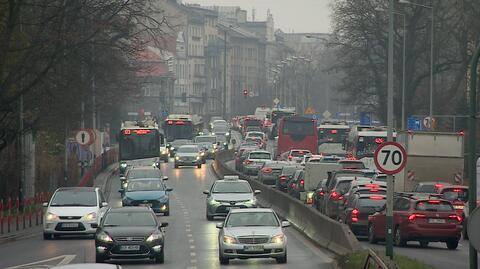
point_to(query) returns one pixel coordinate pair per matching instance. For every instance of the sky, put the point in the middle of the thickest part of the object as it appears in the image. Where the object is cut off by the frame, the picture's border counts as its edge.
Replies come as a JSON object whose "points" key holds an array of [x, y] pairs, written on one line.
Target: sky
{"points": [[289, 15]]}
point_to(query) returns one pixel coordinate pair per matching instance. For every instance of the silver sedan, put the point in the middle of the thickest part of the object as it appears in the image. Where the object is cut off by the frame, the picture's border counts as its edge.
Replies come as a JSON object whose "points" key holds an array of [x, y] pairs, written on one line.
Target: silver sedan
{"points": [[252, 233]]}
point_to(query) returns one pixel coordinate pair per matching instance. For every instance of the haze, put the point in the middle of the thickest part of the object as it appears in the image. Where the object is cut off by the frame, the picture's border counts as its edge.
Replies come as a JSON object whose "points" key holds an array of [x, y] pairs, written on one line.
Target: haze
{"points": [[315, 14]]}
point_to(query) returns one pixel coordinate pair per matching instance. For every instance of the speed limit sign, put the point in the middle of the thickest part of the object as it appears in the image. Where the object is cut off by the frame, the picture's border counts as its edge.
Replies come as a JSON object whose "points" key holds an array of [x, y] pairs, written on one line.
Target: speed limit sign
{"points": [[390, 158]]}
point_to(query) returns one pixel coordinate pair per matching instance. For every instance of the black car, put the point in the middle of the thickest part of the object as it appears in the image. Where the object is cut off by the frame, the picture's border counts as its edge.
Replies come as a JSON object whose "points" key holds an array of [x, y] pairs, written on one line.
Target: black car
{"points": [[130, 233]]}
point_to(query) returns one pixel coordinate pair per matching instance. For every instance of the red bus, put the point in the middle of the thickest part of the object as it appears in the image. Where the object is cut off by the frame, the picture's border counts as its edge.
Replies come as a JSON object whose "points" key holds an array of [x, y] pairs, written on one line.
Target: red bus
{"points": [[295, 132]]}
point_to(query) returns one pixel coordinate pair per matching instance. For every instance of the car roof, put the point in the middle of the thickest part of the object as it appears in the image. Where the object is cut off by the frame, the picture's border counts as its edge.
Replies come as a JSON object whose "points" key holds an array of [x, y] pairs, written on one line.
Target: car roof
{"points": [[243, 210], [306, 150], [145, 179], [231, 181], [260, 151], [130, 209], [255, 132], [206, 136], [77, 189]]}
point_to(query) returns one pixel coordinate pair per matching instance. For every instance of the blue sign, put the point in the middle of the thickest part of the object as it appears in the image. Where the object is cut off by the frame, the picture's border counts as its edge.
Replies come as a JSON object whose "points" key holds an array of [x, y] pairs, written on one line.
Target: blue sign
{"points": [[165, 113], [365, 118], [414, 124], [315, 117]]}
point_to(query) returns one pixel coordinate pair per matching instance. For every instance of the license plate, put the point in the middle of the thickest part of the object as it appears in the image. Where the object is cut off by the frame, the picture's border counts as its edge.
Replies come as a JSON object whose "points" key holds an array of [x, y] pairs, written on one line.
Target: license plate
{"points": [[436, 221], [254, 248], [69, 225], [146, 205], [130, 248]]}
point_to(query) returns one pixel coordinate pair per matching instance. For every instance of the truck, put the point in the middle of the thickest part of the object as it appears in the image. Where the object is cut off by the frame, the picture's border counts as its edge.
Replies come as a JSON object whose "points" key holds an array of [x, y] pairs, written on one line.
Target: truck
{"points": [[431, 156], [314, 173]]}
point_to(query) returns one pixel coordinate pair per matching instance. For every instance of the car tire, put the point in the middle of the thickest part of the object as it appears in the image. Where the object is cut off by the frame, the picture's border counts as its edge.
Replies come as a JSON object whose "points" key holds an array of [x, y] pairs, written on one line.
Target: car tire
{"points": [[209, 217], [424, 244], [452, 244], [47, 236], [222, 259], [167, 213], [399, 241], [165, 161], [99, 258], [464, 231], [160, 258], [372, 239], [176, 166], [282, 259], [199, 165]]}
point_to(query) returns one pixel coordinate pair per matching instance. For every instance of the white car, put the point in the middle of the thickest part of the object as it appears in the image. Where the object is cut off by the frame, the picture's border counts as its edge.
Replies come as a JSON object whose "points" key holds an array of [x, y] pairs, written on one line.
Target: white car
{"points": [[73, 210], [252, 233]]}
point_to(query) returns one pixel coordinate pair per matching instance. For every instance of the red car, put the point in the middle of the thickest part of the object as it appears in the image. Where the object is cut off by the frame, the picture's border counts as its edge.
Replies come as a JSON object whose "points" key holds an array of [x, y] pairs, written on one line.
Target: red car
{"points": [[418, 217]]}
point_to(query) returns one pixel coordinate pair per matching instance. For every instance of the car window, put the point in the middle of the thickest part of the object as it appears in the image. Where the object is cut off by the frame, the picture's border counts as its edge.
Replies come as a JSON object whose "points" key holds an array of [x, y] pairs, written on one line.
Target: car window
{"points": [[436, 206], [455, 194], [259, 155], [74, 198], [373, 201], [129, 219], [145, 185], [187, 150], [231, 187], [144, 173], [252, 219], [343, 186], [401, 204], [352, 165], [205, 139], [427, 189], [299, 153]]}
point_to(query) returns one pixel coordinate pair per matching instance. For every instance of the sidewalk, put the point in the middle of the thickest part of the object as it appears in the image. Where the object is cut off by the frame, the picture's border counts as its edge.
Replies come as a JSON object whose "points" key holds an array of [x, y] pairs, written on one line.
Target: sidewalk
{"points": [[102, 181]]}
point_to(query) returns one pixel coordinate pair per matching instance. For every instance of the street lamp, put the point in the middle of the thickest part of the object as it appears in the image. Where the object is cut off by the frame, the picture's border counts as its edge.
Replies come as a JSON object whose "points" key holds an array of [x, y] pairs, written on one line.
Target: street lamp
{"points": [[403, 60], [430, 114]]}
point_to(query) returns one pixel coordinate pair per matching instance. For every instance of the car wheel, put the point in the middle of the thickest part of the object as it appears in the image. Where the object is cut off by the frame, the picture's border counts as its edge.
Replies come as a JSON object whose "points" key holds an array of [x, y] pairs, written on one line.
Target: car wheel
{"points": [[464, 231], [165, 161], [47, 236], [452, 244], [282, 259], [167, 213], [372, 239], [399, 240], [160, 258], [99, 259], [424, 244], [222, 259], [176, 166], [199, 165], [209, 217]]}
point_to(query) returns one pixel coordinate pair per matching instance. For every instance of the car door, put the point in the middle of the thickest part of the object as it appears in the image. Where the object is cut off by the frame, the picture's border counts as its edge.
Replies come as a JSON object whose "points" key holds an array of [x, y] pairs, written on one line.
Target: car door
{"points": [[401, 212], [380, 223]]}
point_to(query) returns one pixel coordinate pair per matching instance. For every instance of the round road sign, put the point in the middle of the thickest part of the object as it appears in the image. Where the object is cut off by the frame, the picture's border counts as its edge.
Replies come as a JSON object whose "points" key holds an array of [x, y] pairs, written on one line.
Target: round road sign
{"points": [[390, 158], [84, 137]]}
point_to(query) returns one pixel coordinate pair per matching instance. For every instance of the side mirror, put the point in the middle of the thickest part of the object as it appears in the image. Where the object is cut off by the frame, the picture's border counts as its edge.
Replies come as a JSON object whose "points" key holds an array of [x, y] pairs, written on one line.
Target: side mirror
{"points": [[256, 192], [163, 224], [219, 225], [45, 204], [169, 189], [206, 192], [164, 178], [94, 225], [104, 204], [285, 224]]}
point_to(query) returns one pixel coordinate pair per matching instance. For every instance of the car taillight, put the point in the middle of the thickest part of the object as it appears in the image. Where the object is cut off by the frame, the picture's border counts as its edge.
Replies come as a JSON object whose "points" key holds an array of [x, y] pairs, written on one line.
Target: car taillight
{"points": [[290, 157], [354, 216], [438, 186], [376, 197], [282, 178], [321, 193], [335, 196], [456, 217], [267, 170], [248, 162], [412, 217], [302, 183]]}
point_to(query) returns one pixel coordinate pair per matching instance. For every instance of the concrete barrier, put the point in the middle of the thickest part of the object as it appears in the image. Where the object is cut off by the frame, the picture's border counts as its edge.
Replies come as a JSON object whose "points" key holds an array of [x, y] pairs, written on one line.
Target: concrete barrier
{"points": [[324, 231]]}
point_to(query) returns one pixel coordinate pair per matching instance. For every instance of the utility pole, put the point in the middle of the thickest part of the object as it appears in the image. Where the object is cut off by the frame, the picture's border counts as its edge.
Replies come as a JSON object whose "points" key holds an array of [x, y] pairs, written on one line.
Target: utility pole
{"points": [[224, 106], [389, 215]]}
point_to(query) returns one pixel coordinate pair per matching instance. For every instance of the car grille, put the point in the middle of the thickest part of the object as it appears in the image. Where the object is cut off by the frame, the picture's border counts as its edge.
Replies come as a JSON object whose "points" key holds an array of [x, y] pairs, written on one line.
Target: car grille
{"points": [[235, 202], [187, 159], [138, 202], [252, 240], [223, 209], [80, 227], [130, 239], [70, 217], [265, 251]]}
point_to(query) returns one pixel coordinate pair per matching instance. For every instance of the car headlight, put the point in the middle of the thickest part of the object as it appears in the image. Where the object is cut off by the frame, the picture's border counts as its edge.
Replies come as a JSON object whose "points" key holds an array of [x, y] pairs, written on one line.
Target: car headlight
{"points": [[277, 239], [164, 152], [202, 154], [51, 216], [123, 165], [125, 184], [198, 158], [177, 158], [214, 146], [90, 216], [104, 237], [154, 237], [227, 134], [213, 133], [229, 239], [225, 144], [172, 148], [214, 202], [251, 201]]}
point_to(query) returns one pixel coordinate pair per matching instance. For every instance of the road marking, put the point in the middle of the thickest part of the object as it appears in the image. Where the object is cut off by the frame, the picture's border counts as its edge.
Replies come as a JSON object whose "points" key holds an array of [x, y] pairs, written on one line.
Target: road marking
{"points": [[193, 254], [193, 261], [190, 235], [64, 260], [188, 230], [188, 225], [192, 247], [191, 241]]}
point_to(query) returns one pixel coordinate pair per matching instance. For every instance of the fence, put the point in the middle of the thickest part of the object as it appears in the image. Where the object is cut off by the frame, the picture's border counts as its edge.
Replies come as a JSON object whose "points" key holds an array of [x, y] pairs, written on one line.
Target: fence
{"points": [[16, 214]]}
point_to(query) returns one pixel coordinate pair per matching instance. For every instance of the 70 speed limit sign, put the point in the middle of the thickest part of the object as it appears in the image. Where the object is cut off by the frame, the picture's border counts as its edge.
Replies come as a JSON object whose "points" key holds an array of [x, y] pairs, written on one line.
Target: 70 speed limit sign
{"points": [[390, 158]]}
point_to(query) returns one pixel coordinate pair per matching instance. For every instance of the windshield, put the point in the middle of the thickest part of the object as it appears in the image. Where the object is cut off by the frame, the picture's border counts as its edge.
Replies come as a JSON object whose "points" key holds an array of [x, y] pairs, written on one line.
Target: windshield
{"points": [[252, 219], [232, 187], [220, 128], [368, 144], [188, 149], [259, 155], [374, 201], [139, 144], [205, 139], [292, 127], [332, 135], [343, 186], [145, 185], [260, 135], [455, 194], [289, 170], [436, 206], [74, 198], [179, 131], [352, 165], [129, 219], [299, 153], [253, 123], [277, 115], [144, 173]]}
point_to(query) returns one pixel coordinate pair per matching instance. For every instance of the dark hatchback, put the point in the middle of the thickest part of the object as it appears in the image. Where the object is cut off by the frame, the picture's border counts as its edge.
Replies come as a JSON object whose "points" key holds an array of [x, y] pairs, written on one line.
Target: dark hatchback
{"points": [[130, 233]]}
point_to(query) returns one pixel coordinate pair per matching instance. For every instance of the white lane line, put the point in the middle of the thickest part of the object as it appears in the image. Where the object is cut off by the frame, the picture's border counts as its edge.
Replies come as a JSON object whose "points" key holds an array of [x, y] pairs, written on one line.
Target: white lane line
{"points": [[64, 260], [190, 235], [193, 254], [188, 230], [188, 225], [192, 247], [193, 261], [191, 241]]}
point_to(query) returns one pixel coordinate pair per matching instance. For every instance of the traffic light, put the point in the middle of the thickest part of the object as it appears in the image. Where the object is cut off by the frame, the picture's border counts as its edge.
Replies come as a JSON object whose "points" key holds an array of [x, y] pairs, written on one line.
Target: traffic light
{"points": [[184, 97], [245, 93]]}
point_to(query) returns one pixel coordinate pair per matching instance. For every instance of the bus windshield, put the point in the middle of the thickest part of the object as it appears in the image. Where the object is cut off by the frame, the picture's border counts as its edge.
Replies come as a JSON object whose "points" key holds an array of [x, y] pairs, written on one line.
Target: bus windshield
{"points": [[276, 115], [368, 144], [139, 144], [179, 130], [298, 127], [332, 135]]}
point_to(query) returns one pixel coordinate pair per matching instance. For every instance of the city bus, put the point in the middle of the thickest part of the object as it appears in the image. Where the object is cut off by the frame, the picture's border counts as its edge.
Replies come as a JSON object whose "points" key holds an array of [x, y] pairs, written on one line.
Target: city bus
{"points": [[332, 138], [179, 127], [275, 116], [295, 132], [140, 143]]}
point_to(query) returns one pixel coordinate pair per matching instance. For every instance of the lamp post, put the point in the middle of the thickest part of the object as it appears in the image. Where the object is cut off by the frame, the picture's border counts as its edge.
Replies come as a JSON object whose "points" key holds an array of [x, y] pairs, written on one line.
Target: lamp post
{"points": [[431, 53]]}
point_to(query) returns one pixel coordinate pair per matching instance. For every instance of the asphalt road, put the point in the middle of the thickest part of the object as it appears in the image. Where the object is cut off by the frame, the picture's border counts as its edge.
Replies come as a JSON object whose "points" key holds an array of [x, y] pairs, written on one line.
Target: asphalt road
{"points": [[191, 240]]}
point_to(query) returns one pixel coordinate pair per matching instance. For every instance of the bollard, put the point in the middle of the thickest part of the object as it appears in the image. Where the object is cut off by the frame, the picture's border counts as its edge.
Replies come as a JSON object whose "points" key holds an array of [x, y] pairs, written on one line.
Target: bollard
{"points": [[30, 212], [1, 216], [17, 212], [9, 208], [23, 213], [37, 198]]}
